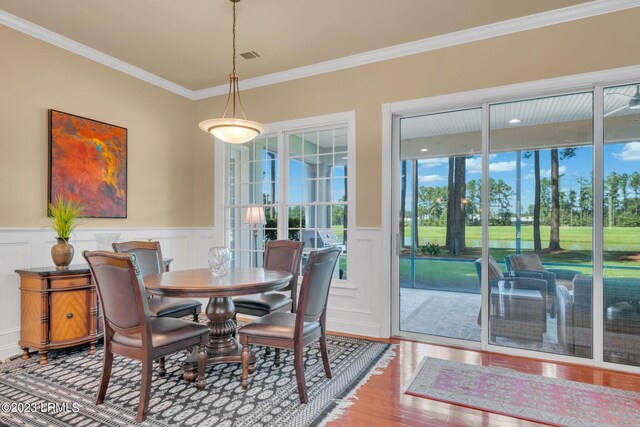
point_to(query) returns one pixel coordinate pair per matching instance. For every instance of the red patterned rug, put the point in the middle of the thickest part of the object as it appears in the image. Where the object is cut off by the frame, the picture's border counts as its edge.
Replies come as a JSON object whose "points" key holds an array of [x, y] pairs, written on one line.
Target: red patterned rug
{"points": [[525, 396]]}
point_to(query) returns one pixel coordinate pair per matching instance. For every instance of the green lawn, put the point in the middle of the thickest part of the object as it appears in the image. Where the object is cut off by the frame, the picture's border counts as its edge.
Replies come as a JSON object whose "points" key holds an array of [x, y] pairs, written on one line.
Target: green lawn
{"points": [[613, 237], [437, 273], [623, 242]]}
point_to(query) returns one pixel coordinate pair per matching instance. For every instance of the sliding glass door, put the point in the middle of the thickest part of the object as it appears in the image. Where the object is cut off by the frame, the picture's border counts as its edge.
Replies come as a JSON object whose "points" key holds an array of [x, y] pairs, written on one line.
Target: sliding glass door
{"points": [[439, 175], [555, 234], [540, 224], [621, 203]]}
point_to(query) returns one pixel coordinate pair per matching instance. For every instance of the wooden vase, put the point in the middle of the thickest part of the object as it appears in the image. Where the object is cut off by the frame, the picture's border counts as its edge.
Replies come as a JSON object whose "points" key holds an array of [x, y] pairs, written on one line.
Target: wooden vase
{"points": [[62, 253]]}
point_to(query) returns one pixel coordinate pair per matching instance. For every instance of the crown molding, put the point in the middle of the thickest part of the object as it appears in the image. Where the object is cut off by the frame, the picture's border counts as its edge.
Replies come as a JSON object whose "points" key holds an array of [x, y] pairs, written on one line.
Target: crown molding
{"points": [[73, 46], [539, 20]]}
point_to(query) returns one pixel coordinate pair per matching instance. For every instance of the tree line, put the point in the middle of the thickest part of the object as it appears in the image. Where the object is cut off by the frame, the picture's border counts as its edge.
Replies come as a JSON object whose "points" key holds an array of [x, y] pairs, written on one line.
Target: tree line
{"points": [[458, 203]]}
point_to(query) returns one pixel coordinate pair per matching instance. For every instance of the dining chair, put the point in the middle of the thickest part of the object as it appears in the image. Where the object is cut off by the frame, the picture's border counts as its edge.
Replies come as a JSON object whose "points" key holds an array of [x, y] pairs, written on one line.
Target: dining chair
{"points": [[296, 330], [129, 328], [149, 256], [278, 255]]}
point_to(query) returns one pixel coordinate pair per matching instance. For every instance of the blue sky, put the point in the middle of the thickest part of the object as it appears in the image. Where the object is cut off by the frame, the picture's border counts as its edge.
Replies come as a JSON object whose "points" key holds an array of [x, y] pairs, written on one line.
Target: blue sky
{"points": [[622, 158]]}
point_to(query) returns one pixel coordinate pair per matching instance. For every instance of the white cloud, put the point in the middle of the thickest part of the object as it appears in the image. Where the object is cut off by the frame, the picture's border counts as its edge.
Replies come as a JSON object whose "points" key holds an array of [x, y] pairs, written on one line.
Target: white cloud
{"points": [[629, 153], [474, 165], [431, 178], [509, 166]]}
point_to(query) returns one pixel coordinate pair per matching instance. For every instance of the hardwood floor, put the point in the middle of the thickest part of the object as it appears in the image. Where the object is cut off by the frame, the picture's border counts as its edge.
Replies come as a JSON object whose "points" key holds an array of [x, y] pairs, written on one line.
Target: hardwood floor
{"points": [[381, 403]]}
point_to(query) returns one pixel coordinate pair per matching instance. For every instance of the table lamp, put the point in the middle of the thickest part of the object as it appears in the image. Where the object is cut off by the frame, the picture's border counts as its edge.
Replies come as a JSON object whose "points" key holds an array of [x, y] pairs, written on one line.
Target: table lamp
{"points": [[253, 217]]}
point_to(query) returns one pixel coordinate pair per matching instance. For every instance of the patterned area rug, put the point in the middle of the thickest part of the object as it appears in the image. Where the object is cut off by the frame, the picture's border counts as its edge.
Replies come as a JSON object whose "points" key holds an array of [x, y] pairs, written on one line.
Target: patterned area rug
{"points": [[63, 392], [526, 396]]}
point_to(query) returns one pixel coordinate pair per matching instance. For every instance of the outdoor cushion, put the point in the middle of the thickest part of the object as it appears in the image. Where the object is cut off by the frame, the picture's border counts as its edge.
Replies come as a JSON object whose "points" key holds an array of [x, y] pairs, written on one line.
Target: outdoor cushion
{"points": [[494, 270], [526, 261]]}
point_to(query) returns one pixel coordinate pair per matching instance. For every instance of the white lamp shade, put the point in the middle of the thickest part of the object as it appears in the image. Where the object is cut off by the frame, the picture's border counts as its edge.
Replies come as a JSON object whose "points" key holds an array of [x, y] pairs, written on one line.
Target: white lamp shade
{"points": [[255, 215], [233, 131]]}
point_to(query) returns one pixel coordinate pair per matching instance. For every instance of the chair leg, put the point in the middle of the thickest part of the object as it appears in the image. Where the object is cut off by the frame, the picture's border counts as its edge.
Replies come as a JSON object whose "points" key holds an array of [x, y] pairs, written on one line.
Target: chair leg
{"points": [[196, 316], [202, 361], [267, 351], [145, 390], [106, 375], [298, 361], [277, 359], [161, 369], [245, 363], [325, 355]]}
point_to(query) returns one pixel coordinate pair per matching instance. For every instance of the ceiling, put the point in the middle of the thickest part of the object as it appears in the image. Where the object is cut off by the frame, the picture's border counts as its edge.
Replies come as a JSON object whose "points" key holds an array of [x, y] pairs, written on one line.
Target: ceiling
{"points": [[532, 112], [189, 42], [565, 121]]}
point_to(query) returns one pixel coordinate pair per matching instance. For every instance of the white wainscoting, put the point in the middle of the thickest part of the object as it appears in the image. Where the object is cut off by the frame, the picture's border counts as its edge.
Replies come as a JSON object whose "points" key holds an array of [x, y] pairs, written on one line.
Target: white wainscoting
{"points": [[355, 306], [27, 248]]}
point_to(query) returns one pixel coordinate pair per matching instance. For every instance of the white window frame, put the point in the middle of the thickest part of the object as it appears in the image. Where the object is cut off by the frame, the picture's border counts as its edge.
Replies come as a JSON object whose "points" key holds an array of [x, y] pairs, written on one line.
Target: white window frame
{"points": [[281, 130]]}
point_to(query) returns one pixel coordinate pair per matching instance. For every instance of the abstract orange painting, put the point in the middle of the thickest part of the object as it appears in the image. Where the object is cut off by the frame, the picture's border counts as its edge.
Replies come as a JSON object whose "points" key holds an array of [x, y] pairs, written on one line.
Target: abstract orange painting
{"points": [[88, 164]]}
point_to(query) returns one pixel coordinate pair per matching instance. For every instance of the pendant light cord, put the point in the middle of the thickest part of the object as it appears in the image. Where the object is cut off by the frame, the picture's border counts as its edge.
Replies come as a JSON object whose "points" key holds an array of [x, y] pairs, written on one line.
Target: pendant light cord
{"points": [[234, 88], [234, 38]]}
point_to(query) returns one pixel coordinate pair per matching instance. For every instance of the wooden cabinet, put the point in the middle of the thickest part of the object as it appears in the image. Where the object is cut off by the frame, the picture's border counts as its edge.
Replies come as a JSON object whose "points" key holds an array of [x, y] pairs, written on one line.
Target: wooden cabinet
{"points": [[59, 308]]}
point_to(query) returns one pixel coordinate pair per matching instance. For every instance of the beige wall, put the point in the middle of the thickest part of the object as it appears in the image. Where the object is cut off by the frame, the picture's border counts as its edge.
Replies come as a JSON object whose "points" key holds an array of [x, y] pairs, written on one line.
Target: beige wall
{"points": [[36, 76], [171, 164], [598, 43]]}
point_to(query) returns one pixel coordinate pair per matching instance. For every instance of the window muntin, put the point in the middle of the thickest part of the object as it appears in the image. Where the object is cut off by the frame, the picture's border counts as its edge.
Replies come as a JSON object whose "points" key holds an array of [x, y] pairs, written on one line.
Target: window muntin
{"points": [[307, 185]]}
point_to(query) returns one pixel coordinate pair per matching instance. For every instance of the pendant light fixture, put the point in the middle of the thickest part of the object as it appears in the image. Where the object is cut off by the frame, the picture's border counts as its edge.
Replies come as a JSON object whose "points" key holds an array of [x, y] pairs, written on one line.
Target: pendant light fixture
{"points": [[232, 129]]}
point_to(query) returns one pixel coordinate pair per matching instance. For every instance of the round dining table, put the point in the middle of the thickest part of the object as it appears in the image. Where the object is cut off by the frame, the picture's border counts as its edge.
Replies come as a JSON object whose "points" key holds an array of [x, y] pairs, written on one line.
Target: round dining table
{"points": [[223, 345]]}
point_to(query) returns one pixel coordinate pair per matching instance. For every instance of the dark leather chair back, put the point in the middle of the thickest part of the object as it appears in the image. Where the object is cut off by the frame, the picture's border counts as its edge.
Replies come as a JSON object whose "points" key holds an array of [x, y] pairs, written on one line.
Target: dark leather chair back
{"points": [[148, 255], [316, 281], [121, 290], [284, 255]]}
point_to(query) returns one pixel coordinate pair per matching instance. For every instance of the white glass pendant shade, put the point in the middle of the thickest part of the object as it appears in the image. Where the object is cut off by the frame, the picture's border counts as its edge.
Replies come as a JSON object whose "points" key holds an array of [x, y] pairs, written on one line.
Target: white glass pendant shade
{"points": [[233, 130]]}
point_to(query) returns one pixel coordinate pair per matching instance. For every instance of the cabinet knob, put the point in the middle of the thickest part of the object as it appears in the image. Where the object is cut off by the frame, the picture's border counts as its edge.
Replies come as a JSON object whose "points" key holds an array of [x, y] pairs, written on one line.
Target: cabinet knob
{"points": [[71, 283], [69, 315]]}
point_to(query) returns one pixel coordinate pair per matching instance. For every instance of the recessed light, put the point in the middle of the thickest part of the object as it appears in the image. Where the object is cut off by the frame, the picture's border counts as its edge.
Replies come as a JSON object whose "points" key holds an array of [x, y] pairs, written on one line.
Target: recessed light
{"points": [[424, 150], [514, 121]]}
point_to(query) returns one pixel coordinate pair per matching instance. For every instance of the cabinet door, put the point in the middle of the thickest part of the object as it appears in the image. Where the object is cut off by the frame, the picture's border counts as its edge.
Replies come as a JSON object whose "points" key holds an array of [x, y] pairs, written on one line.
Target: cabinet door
{"points": [[69, 315]]}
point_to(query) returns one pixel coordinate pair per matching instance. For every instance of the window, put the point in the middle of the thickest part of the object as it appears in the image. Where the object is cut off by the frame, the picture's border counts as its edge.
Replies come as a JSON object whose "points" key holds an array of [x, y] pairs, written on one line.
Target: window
{"points": [[301, 177]]}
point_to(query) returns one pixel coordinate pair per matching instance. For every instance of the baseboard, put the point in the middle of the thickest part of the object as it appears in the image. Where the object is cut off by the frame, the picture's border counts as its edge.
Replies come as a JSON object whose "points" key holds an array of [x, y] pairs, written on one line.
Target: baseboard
{"points": [[364, 329]]}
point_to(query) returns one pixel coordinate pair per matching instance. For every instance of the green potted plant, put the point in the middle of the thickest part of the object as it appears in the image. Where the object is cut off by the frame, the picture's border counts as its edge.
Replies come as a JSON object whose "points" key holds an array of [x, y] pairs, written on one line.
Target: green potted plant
{"points": [[64, 219]]}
